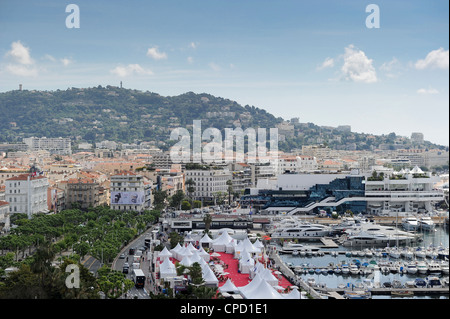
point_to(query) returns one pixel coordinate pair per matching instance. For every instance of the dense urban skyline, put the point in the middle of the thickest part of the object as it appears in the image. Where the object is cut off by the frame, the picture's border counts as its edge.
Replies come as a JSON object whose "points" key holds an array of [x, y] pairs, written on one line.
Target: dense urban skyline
{"points": [[314, 60]]}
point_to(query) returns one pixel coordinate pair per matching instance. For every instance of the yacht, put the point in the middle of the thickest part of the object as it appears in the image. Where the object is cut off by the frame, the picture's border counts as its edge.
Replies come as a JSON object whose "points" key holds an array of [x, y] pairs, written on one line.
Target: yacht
{"points": [[433, 282], [354, 270], [394, 253], [410, 223], [345, 269], [302, 231], [346, 224], [420, 253], [291, 248], [411, 268], [444, 267], [426, 223], [369, 234], [434, 268], [422, 267]]}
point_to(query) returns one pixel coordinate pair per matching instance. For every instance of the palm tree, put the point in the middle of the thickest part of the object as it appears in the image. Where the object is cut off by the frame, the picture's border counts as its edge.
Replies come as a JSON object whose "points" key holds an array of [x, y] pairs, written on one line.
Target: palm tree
{"points": [[190, 187], [230, 189]]}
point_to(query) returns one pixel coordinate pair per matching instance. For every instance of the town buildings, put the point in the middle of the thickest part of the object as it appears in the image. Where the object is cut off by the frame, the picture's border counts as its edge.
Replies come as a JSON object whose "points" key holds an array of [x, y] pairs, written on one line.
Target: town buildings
{"points": [[129, 191], [27, 193]]}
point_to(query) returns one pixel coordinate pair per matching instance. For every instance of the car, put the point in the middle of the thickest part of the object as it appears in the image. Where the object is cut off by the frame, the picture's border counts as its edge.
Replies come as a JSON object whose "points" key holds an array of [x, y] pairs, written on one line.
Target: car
{"points": [[122, 256], [125, 270], [126, 265]]}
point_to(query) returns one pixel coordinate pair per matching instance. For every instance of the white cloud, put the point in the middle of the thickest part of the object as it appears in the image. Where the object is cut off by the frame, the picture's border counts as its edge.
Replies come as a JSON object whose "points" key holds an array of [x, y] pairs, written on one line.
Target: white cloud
{"points": [[214, 66], [193, 45], [328, 63], [155, 54], [21, 70], [427, 91], [190, 59], [130, 69], [66, 61], [435, 59], [357, 66], [392, 69], [20, 53]]}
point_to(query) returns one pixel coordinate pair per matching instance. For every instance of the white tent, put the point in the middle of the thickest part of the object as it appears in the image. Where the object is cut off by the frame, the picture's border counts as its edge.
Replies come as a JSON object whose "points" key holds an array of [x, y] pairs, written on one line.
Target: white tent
{"points": [[219, 244], [165, 253], [263, 291], [247, 245], [247, 289], [228, 287], [167, 269], [230, 247], [246, 262], [191, 247], [267, 275], [175, 251], [204, 254], [206, 241], [209, 277], [258, 244], [186, 261], [183, 252], [294, 294]]}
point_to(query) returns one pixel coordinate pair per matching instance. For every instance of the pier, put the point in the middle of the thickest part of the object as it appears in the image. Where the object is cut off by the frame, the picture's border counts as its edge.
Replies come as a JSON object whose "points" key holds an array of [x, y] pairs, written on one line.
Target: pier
{"points": [[388, 291]]}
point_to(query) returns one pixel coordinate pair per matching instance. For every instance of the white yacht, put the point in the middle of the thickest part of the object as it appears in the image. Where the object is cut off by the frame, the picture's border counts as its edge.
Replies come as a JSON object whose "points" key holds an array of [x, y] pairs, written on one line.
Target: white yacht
{"points": [[302, 231], [354, 270], [434, 267], [444, 267], [422, 267], [410, 223], [411, 268], [291, 248], [369, 234], [345, 269], [426, 223]]}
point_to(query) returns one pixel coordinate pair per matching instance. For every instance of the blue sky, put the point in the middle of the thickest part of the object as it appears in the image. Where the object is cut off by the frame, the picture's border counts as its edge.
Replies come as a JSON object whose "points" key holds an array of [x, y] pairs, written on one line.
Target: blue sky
{"points": [[315, 60]]}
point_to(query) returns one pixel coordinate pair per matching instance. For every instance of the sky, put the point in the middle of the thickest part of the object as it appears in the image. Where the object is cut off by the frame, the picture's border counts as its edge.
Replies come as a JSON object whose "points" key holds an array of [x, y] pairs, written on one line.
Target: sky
{"points": [[380, 70]]}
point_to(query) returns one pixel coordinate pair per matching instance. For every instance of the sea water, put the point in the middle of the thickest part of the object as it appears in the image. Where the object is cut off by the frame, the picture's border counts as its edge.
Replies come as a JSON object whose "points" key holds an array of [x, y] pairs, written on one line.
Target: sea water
{"points": [[439, 237]]}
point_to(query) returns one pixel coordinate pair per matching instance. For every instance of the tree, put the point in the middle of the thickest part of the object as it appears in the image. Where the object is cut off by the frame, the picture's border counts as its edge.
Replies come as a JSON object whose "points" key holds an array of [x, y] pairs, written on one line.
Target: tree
{"points": [[113, 283], [190, 187], [196, 274], [207, 219], [176, 199], [160, 198], [185, 205]]}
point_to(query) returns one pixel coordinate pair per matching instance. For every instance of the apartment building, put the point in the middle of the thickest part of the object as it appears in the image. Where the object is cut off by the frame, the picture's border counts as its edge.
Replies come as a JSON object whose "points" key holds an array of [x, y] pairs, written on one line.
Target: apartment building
{"points": [[209, 182], [4, 217], [84, 193], [130, 192], [27, 193], [60, 146]]}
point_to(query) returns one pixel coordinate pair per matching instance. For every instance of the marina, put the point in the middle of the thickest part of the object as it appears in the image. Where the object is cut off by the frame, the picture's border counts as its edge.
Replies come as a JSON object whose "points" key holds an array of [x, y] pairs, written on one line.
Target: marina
{"points": [[417, 270]]}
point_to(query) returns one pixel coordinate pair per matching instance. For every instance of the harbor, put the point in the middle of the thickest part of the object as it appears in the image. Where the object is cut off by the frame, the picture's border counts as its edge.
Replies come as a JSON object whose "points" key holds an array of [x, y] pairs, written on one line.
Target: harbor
{"points": [[327, 269]]}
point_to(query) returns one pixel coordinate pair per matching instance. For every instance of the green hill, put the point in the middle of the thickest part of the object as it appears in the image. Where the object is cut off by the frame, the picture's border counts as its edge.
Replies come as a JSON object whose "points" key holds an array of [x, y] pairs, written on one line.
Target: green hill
{"points": [[130, 116]]}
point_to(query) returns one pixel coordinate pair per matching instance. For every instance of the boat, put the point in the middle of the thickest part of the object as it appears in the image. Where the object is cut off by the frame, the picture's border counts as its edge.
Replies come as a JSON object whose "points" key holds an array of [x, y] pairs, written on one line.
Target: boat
{"points": [[357, 294], [311, 282], [433, 282], [354, 270], [373, 235], [420, 253], [422, 267], [444, 267], [426, 223], [411, 268], [420, 283], [291, 248], [345, 269], [434, 268], [410, 223], [395, 253], [302, 231], [295, 253]]}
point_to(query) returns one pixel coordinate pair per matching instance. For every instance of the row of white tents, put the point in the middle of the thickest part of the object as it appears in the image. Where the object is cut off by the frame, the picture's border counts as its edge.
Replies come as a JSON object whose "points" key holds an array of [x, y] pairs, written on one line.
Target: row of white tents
{"points": [[259, 288]]}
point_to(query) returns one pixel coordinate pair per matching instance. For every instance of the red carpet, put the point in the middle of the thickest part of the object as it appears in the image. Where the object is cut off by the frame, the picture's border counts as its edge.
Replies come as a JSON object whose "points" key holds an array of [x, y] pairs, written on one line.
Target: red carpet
{"points": [[239, 279]]}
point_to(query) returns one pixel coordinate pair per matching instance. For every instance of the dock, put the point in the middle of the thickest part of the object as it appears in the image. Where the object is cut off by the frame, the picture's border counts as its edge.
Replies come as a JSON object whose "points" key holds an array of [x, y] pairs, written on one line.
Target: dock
{"points": [[388, 291], [328, 243]]}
